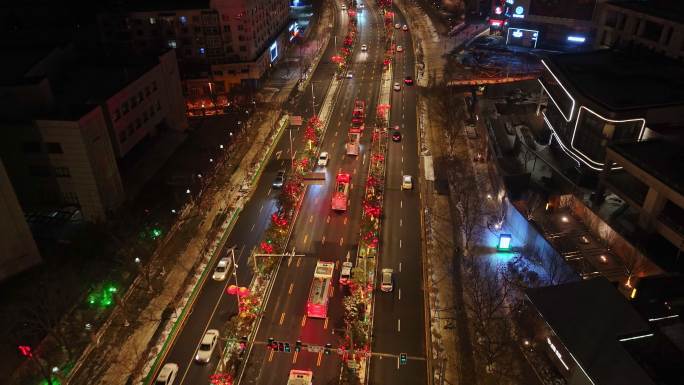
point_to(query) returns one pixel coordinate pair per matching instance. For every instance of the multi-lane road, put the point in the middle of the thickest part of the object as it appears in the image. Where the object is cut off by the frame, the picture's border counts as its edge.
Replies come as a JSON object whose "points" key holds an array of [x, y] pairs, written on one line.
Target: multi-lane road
{"points": [[320, 234]]}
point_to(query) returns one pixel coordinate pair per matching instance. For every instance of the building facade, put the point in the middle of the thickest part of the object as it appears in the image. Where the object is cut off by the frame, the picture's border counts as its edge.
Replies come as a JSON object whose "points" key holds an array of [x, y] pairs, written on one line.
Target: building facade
{"points": [[18, 250], [226, 42], [655, 25], [600, 97], [68, 119]]}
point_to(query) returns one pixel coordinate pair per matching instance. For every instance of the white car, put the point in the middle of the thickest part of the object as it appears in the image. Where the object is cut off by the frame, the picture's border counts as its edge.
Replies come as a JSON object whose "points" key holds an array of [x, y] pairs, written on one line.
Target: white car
{"points": [[397, 87], [345, 273], [405, 27], [400, 48], [397, 26], [386, 284], [364, 48], [221, 270], [407, 182], [207, 345], [350, 75], [167, 374], [344, 7], [323, 159]]}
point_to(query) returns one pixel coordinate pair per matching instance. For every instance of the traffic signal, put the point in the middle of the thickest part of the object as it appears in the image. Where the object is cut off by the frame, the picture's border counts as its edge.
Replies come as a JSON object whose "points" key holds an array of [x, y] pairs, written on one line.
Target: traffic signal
{"points": [[271, 343], [327, 348], [298, 346], [287, 347], [403, 358]]}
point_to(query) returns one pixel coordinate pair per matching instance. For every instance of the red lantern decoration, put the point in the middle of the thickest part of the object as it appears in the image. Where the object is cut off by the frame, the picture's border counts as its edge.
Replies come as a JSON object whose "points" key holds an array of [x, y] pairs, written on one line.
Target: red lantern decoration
{"points": [[232, 290], [266, 247], [243, 291], [221, 379]]}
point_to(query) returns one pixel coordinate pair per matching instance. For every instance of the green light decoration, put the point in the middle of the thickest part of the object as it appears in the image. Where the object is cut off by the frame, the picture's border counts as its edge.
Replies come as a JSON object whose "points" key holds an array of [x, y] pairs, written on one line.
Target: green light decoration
{"points": [[53, 381], [155, 233], [103, 295]]}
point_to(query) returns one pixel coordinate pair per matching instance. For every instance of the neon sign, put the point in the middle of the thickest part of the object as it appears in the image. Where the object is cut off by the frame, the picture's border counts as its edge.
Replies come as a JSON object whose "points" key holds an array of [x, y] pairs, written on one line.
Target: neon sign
{"points": [[557, 353]]}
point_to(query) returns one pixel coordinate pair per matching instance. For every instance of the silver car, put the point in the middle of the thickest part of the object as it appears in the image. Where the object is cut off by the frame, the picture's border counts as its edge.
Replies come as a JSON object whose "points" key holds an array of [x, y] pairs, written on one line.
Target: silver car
{"points": [[386, 284], [167, 374], [207, 346], [221, 270]]}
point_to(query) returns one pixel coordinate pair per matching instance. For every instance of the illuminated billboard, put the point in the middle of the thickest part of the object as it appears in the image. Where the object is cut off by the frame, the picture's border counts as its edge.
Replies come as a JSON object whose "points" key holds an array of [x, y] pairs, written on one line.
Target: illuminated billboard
{"points": [[522, 37]]}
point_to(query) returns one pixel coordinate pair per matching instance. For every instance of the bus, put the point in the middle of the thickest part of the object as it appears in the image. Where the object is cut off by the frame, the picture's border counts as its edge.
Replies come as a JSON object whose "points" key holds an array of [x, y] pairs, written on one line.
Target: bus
{"points": [[317, 305], [300, 377], [341, 193]]}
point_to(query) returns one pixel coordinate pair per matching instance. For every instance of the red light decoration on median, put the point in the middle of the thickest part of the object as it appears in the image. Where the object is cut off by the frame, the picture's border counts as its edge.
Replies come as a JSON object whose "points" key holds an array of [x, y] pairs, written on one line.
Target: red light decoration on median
{"points": [[25, 351], [232, 290]]}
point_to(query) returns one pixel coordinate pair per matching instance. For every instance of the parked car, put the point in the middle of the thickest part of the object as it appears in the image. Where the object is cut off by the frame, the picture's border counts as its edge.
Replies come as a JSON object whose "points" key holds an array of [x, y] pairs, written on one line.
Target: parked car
{"points": [[221, 270], [350, 75], [404, 27], [167, 374], [207, 346], [397, 87], [397, 26], [364, 47], [406, 182], [400, 48], [386, 284], [323, 159], [279, 179], [344, 7]]}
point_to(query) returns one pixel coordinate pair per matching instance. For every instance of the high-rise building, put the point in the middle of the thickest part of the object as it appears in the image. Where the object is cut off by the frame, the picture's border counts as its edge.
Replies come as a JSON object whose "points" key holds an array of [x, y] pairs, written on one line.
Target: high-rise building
{"points": [[657, 25], [67, 119], [18, 250], [220, 42]]}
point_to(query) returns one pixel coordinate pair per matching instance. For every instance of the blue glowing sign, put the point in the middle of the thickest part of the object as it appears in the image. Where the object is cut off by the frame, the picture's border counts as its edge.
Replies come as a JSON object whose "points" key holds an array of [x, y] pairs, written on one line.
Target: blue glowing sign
{"points": [[273, 51], [522, 36], [577, 39], [504, 242]]}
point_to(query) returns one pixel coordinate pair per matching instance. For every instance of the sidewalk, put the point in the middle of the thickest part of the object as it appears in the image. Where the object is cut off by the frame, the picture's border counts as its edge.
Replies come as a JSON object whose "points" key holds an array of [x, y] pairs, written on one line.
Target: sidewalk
{"points": [[125, 348]]}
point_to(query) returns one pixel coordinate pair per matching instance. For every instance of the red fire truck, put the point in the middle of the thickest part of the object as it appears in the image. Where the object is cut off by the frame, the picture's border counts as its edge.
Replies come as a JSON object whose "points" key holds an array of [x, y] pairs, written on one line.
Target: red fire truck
{"points": [[341, 193]]}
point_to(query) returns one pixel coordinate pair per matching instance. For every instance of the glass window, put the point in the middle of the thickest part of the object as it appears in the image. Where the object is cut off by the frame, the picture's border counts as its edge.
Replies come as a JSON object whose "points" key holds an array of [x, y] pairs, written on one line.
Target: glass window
{"points": [[54, 148], [62, 172], [31, 147]]}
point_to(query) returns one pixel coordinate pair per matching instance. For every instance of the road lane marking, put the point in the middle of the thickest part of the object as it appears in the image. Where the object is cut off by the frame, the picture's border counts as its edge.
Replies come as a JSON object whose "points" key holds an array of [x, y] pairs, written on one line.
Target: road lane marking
{"points": [[332, 292], [399, 324], [252, 229], [291, 287], [270, 356], [341, 241], [336, 132], [261, 208], [333, 145], [325, 324], [294, 358], [282, 318], [345, 220], [399, 294], [401, 204], [323, 239], [351, 186], [401, 222], [311, 219], [269, 191], [306, 237], [299, 260], [303, 320], [327, 220], [400, 243], [354, 171], [320, 357], [402, 159]]}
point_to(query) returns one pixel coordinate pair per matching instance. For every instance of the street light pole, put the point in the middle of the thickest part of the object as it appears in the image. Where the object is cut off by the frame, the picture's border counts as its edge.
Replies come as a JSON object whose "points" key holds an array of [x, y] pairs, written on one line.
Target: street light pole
{"points": [[235, 267], [313, 99]]}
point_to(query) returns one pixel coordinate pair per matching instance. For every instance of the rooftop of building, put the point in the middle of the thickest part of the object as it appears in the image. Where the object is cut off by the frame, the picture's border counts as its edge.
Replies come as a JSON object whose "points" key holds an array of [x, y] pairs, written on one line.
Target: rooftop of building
{"points": [[661, 158], [665, 9], [622, 80], [166, 5], [590, 317]]}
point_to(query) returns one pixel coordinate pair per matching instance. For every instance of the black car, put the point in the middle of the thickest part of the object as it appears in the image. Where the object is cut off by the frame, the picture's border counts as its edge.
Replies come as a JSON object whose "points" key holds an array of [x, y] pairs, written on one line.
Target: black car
{"points": [[408, 81], [396, 136]]}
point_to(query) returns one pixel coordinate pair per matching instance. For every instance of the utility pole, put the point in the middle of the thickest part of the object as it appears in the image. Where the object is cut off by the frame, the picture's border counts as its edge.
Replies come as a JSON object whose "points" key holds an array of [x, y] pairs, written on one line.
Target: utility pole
{"points": [[313, 99], [235, 267]]}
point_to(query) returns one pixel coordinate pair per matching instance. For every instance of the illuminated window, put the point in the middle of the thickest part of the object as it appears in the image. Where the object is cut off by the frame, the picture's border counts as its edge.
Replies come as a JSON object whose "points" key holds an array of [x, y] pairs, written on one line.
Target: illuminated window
{"points": [[183, 20], [201, 51], [153, 20], [171, 44]]}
